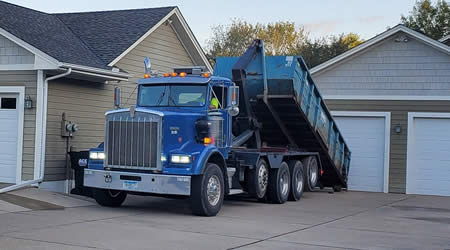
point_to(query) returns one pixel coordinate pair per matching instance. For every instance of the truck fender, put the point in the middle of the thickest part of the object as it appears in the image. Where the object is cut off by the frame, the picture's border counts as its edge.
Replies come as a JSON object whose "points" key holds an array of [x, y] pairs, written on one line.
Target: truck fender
{"points": [[216, 156]]}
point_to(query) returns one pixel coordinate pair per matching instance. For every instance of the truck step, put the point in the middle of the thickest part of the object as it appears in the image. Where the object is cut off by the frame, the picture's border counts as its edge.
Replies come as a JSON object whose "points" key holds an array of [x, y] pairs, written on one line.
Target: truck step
{"points": [[235, 191]]}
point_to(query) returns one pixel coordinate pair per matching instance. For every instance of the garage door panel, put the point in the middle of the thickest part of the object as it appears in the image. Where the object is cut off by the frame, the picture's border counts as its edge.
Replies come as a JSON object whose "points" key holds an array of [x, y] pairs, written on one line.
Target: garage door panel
{"points": [[8, 143], [429, 166], [365, 137]]}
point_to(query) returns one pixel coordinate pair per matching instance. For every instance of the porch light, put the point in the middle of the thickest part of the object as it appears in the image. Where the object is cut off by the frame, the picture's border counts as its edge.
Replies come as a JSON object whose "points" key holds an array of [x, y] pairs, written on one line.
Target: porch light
{"points": [[28, 103]]}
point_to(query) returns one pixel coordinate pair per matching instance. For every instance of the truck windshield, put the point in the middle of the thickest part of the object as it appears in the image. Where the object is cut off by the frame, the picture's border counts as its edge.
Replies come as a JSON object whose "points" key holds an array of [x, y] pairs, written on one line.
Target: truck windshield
{"points": [[172, 95]]}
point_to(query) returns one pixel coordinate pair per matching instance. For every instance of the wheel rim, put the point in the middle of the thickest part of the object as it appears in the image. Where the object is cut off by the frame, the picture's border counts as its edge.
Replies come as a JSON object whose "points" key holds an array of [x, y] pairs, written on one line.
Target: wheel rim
{"points": [[113, 193], [263, 177], [213, 190], [314, 172], [284, 183], [299, 181]]}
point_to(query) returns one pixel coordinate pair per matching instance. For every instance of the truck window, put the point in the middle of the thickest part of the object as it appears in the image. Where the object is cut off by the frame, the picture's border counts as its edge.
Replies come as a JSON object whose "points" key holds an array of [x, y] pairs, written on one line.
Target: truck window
{"points": [[172, 95], [219, 92]]}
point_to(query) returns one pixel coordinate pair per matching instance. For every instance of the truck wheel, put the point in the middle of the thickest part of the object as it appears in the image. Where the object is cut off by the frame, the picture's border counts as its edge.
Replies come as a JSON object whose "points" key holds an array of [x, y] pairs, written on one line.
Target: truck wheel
{"points": [[258, 180], [311, 172], [279, 184], [108, 197], [297, 180], [207, 191]]}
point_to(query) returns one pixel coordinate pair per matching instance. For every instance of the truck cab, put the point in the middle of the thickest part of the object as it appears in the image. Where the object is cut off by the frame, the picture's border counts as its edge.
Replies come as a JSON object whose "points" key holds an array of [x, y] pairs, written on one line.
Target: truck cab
{"points": [[181, 123]]}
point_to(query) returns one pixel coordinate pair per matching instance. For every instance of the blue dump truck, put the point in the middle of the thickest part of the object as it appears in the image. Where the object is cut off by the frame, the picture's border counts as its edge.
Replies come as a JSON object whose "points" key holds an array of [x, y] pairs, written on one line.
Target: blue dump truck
{"points": [[258, 125]]}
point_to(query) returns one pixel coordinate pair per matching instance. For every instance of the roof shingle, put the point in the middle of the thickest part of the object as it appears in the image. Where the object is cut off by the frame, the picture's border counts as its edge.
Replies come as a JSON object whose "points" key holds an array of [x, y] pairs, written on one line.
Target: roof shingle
{"points": [[91, 38]]}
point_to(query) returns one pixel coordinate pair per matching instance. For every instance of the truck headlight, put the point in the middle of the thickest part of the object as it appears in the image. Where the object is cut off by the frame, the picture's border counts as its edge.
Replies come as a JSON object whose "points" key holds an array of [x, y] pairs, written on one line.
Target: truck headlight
{"points": [[163, 158], [185, 159], [97, 155]]}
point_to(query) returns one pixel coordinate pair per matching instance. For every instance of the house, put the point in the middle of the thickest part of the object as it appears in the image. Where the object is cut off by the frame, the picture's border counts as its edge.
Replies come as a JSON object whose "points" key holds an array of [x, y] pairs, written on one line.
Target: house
{"points": [[445, 40], [69, 64], [391, 99]]}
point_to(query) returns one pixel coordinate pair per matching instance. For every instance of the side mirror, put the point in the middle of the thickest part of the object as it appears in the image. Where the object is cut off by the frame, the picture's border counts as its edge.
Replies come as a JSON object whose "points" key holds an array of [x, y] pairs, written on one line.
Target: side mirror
{"points": [[233, 97], [117, 97]]}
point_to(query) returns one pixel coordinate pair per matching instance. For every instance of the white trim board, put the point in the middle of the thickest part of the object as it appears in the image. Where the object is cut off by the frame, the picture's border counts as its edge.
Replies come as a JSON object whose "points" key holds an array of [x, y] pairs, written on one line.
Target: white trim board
{"points": [[399, 28], [388, 97], [410, 187], [387, 137], [20, 108]]}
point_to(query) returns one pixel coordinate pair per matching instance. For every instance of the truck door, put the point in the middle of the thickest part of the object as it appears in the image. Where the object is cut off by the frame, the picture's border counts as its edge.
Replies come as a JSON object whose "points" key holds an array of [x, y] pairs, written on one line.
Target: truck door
{"points": [[218, 113]]}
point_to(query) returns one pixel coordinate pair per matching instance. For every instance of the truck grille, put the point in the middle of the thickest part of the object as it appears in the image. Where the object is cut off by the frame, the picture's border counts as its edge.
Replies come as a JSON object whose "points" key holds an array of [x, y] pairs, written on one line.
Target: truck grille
{"points": [[133, 143]]}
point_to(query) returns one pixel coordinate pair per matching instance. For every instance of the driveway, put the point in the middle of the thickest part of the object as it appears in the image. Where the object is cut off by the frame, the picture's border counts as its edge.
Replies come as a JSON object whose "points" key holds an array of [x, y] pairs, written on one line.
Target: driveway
{"points": [[347, 220]]}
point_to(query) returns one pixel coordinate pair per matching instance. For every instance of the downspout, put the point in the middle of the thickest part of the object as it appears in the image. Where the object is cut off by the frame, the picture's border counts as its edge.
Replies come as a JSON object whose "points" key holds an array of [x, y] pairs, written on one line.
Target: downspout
{"points": [[43, 140]]}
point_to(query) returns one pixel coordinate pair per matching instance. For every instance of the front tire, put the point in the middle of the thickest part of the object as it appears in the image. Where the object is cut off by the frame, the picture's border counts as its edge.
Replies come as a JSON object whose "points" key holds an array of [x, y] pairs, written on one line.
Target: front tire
{"points": [[279, 184], [311, 172], [108, 197], [297, 180], [207, 191]]}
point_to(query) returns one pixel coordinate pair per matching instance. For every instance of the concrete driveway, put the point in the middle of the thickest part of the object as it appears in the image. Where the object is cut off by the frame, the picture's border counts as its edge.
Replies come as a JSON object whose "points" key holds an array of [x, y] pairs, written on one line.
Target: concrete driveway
{"points": [[347, 220]]}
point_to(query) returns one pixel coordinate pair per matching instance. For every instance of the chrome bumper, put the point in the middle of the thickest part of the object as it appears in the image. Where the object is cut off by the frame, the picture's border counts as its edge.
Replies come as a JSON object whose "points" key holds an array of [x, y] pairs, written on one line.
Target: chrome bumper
{"points": [[138, 182]]}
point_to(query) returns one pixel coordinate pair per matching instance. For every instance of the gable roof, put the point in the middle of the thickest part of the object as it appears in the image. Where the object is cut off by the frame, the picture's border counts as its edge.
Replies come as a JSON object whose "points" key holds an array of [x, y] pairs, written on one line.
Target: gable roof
{"points": [[114, 31], [93, 39], [48, 34], [377, 39]]}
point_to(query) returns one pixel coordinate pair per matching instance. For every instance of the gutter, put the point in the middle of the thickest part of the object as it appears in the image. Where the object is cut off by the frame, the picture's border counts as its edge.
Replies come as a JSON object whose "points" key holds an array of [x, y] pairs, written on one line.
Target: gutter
{"points": [[40, 178], [91, 71]]}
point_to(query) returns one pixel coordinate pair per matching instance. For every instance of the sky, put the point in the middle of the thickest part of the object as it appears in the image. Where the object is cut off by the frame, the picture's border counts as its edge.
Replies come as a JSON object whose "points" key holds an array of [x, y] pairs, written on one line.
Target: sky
{"points": [[320, 17]]}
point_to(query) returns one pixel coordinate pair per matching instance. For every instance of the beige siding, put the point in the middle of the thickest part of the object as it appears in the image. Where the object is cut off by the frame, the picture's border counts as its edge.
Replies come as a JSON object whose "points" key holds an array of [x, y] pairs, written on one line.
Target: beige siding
{"points": [[27, 79], [399, 116], [165, 52], [84, 103]]}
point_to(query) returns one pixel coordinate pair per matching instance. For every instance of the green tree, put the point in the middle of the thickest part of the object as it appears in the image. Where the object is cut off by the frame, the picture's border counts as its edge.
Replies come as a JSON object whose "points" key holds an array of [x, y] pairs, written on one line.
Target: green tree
{"points": [[323, 49], [433, 21], [280, 38]]}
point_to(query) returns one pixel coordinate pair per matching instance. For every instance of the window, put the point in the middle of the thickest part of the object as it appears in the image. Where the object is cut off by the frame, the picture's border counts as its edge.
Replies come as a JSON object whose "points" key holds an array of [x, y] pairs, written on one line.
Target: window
{"points": [[172, 95], [8, 103], [220, 93]]}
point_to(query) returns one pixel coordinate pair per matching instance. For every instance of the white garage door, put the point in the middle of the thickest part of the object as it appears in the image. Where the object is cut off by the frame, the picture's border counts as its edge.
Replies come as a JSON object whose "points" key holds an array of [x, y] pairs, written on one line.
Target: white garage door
{"points": [[366, 139], [8, 138], [428, 170]]}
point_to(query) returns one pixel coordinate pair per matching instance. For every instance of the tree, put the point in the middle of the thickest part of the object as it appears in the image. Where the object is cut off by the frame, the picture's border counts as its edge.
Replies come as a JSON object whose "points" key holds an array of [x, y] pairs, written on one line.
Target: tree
{"points": [[280, 38], [323, 49], [433, 21]]}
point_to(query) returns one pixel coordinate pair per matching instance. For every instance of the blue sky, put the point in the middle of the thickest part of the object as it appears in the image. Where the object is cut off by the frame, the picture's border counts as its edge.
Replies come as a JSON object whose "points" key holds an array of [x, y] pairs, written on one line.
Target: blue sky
{"points": [[321, 17]]}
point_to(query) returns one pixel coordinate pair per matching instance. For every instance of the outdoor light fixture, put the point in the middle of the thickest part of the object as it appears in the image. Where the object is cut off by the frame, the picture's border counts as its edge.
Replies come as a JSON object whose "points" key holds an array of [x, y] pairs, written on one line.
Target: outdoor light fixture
{"points": [[28, 102], [398, 129]]}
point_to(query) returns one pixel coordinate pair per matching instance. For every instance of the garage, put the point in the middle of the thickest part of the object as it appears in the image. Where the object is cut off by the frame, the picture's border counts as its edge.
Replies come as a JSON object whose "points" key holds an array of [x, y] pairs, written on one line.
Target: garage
{"points": [[9, 122], [428, 162], [367, 134]]}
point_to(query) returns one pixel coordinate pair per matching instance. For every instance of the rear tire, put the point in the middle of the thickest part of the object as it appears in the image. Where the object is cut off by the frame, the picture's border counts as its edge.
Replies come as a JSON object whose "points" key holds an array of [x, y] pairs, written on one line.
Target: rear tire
{"points": [[258, 180], [207, 191], [279, 184], [108, 197], [297, 180], [311, 172]]}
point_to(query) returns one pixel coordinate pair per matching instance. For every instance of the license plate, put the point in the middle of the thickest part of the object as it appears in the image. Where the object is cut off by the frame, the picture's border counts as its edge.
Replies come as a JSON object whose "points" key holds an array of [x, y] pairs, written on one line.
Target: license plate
{"points": [[130, 185]]}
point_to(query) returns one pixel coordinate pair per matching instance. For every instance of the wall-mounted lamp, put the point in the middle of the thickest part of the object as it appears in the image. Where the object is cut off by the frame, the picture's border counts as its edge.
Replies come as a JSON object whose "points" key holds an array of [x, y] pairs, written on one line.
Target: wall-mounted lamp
{"points": [[28, 103], [398, 129]]}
